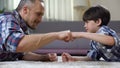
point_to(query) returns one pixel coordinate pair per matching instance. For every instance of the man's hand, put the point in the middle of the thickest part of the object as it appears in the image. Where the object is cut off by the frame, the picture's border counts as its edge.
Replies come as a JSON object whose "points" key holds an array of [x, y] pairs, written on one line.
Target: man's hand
{"points": [[53, 57], [50, 57]]}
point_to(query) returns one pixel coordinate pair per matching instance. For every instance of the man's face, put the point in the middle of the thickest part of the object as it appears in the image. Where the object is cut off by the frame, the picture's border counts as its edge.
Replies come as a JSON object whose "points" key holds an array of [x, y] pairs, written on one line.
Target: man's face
{"points": [[34, 14]]}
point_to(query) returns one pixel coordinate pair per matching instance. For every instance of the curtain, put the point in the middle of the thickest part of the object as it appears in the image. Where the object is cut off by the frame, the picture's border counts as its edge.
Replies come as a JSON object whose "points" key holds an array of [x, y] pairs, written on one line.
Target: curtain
{"points": [[8, 5], [58, 9]]}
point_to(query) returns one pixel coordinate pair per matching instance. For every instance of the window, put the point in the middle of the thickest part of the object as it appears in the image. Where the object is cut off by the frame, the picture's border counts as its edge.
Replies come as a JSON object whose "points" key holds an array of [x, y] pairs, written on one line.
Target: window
{"points": [[15, 2], [8, 5], [68, 10]]}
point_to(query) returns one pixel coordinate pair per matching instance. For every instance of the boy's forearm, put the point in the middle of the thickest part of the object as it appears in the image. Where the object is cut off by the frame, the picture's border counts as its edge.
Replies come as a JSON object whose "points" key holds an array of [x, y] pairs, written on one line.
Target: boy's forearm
{"points": [[82, 59], [104, 39]]}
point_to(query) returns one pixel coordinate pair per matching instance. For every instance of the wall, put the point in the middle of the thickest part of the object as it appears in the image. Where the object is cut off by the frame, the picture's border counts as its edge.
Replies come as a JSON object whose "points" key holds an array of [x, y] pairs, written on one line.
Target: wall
{"points": [[79, 7], [112, 5]]}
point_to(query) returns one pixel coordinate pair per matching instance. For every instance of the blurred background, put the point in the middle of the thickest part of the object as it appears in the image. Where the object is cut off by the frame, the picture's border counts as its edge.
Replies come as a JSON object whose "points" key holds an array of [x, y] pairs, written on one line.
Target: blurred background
{"points": [[67, 10]]}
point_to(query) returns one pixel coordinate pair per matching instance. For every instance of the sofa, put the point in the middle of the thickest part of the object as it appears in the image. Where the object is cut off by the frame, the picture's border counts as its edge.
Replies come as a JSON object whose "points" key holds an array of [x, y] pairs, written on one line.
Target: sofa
{"points": [[76, 47]]}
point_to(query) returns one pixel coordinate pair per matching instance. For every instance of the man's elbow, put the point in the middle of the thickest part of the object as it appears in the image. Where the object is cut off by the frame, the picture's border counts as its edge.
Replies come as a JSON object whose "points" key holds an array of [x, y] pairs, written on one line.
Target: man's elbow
{"points": [[20, 49]]}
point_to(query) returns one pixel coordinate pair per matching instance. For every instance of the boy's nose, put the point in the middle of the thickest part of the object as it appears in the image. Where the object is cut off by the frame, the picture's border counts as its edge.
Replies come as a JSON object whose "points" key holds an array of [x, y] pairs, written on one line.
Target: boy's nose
{"points": [[84, 25]]}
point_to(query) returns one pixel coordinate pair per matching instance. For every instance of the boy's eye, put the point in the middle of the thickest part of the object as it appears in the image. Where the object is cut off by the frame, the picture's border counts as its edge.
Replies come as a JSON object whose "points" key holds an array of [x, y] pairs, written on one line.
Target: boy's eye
{"points": [[86, 21]]}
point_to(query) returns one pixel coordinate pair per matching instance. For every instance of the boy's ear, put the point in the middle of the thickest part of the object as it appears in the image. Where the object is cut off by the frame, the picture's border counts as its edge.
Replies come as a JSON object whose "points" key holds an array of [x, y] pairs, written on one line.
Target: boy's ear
{"points": [[99, 21]]}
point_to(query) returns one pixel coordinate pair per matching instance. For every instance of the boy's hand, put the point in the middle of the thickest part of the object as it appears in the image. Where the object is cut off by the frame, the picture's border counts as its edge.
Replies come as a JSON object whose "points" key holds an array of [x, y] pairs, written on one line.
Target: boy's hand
{"points": [[67, 57]]}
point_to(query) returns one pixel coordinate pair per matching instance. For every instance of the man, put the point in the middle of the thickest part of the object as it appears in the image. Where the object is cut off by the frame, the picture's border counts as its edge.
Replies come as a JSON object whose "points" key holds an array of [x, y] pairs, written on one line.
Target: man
{"points": [[16, 43]]}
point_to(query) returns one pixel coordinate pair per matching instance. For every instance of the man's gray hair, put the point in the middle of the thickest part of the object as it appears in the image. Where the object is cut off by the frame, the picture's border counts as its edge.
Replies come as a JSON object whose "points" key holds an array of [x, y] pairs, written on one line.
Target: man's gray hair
{"points": [[23, 2]]}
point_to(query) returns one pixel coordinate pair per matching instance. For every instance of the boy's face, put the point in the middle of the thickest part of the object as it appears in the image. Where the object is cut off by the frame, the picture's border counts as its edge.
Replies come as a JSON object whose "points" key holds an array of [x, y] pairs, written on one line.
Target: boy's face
{"points": [[91, 26]]}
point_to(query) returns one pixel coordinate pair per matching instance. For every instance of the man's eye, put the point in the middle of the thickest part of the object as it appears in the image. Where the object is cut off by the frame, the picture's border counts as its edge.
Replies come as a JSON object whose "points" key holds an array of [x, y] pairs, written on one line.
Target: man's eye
{"points": [[39, 14]]}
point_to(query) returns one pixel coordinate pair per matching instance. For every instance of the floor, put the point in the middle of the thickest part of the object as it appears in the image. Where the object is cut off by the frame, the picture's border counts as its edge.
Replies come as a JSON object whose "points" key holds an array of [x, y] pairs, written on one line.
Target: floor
{"points": [[59, 64]]}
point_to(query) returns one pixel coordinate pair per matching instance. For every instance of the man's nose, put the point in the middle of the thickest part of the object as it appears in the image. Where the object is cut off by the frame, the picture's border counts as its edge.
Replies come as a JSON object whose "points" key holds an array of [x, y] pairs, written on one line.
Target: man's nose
{"points": [[40, 18]]}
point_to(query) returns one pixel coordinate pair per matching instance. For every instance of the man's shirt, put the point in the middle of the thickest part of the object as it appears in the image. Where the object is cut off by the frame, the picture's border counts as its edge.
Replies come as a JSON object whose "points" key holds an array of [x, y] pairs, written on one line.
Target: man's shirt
{"points": [[12, 30], [99, 50]]}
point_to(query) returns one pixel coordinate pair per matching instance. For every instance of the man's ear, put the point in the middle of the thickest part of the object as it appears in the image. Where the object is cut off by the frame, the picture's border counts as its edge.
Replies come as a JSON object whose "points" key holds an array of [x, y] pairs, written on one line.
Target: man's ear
{"points": [[99, 21], [25, 10]]}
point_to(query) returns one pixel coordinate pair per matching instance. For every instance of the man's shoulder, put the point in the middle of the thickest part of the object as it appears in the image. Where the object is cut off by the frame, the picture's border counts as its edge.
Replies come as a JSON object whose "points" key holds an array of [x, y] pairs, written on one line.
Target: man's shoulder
{"points": [[7, 16]]}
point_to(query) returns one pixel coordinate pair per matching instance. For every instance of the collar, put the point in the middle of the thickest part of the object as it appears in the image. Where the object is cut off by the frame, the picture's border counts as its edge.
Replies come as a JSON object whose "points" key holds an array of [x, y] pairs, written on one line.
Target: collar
{"points": [[102, 28], [21, 22]]}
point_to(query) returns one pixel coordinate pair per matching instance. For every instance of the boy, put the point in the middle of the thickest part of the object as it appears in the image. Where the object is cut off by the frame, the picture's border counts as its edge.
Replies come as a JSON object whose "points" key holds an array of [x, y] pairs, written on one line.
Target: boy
{"points": [[104, 41]]}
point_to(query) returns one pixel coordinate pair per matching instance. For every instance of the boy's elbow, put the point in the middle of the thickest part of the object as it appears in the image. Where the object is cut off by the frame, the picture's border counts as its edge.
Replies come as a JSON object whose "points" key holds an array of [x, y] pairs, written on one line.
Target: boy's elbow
{"points": [[112, 42]]}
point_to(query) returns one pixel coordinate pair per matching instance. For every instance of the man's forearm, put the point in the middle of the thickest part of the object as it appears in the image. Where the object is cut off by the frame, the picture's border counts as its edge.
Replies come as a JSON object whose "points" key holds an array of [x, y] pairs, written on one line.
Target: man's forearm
{"points": [[33, 42], [35, 57]]}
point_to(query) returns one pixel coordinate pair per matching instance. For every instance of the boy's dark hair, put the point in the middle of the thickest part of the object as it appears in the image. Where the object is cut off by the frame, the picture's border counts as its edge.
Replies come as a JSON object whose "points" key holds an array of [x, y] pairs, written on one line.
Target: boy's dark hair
{"points": [[97, 12]]}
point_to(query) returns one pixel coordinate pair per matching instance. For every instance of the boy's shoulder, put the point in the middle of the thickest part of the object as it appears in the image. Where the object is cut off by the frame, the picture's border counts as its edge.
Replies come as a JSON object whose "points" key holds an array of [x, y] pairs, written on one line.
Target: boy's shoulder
{"points": [[106, 30]]}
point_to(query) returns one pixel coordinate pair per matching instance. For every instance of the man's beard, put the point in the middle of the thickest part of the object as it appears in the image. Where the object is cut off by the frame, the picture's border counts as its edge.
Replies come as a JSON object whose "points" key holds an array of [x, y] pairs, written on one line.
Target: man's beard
{"points": [[33, 28]]}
